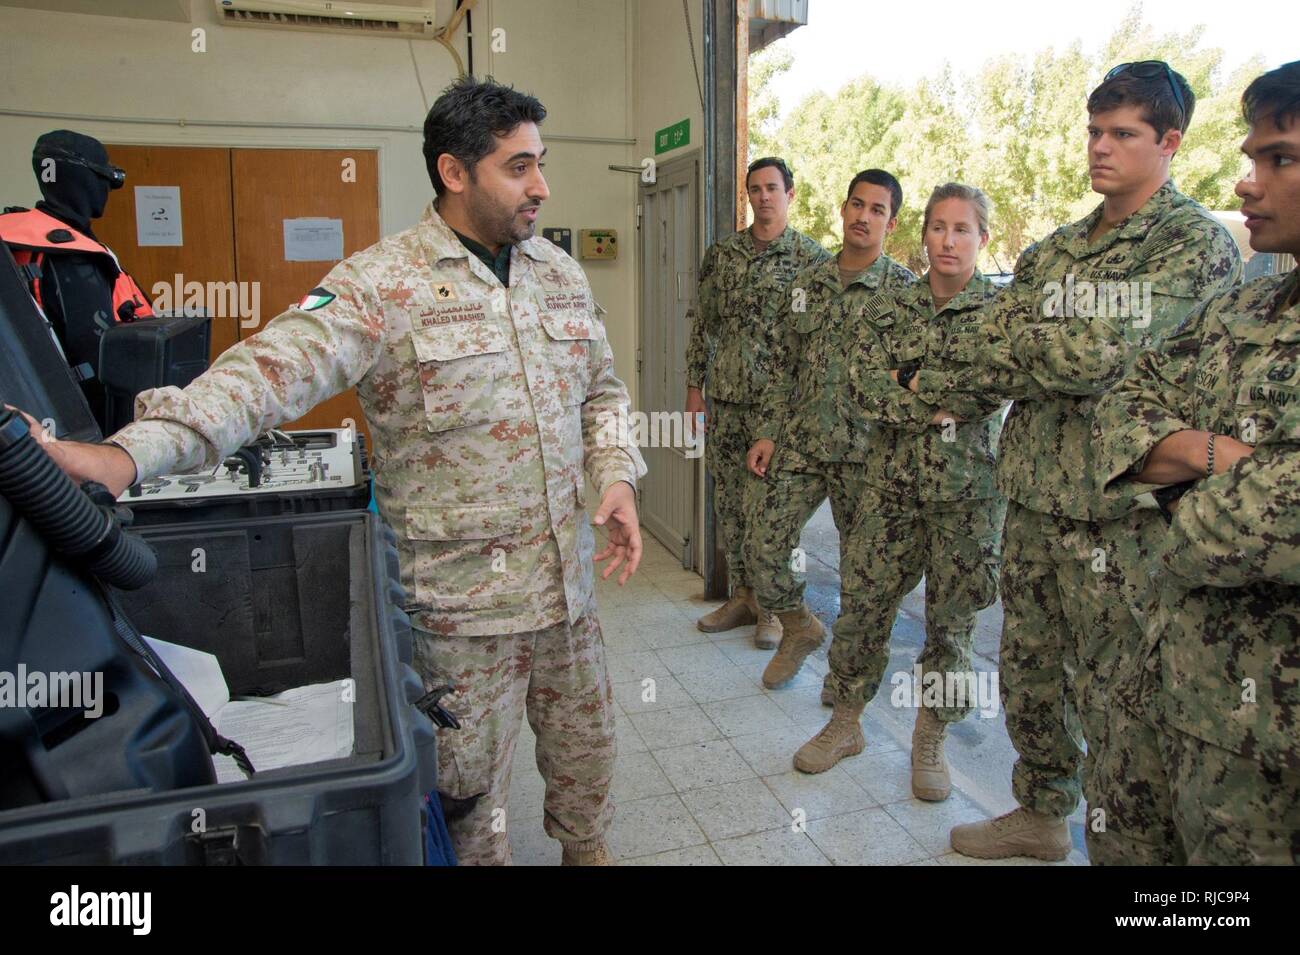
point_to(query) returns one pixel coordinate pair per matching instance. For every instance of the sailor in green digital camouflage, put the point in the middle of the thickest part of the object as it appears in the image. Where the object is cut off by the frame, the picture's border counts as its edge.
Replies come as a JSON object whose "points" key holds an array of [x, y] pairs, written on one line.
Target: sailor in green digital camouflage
{"points": [[1201, 762], [730, 354], [1084, 302], [929, 506], [811, 442]]}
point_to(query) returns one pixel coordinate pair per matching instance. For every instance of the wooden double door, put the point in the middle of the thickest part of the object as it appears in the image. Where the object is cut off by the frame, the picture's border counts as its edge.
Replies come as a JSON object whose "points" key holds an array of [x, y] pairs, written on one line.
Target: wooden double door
{"points": [[233, 207]]}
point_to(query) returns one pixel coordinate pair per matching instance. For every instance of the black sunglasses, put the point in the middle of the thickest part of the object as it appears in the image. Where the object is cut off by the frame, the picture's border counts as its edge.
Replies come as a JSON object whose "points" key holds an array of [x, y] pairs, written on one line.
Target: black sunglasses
{"points": [[1149, 70], [116, 177]]}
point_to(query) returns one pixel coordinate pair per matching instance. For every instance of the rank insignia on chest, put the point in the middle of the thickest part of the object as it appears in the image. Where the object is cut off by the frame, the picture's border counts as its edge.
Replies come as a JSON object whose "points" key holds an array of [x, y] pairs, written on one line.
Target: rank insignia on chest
{"points": [[444, 292], [553, 278]]}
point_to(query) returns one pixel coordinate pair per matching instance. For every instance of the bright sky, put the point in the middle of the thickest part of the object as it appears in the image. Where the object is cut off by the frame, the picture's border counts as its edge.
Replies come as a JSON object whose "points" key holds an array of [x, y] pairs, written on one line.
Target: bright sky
{"points": [[901, 42]]}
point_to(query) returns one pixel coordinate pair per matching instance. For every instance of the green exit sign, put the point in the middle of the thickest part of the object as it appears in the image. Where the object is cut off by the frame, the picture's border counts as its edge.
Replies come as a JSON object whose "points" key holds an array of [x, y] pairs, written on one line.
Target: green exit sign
{"points": [[670, 137]]}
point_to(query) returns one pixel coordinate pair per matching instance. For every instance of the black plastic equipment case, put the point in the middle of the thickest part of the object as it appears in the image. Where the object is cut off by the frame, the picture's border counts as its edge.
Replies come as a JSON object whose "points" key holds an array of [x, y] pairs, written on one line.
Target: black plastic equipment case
{"points": [[281, 602], [242, 506], [149, 353]]}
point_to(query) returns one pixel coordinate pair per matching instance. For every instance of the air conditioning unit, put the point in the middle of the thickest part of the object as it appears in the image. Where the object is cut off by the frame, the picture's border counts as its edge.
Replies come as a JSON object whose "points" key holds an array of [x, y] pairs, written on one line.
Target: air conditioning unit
{"points": [[331, 16]]}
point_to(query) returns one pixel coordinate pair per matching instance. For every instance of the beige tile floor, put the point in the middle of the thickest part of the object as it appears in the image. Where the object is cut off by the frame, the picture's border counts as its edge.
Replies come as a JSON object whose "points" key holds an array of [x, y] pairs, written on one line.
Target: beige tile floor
{"points": [[704, 774]]}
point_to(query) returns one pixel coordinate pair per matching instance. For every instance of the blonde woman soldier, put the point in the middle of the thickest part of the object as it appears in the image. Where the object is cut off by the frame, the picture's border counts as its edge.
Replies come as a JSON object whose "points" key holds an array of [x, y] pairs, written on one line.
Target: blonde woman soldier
{"points": [[930, 506]]}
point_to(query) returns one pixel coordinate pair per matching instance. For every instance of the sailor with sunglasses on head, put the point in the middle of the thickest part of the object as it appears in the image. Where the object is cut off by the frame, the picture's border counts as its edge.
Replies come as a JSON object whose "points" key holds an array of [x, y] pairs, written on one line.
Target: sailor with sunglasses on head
{"points": [[1085, 301], [75, 279]]}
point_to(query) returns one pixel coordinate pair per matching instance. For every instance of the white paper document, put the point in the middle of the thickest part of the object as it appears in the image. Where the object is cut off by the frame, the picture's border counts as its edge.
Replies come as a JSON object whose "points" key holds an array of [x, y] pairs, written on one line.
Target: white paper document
{"points": [[308, 724], [158, 215], [313, 240]]}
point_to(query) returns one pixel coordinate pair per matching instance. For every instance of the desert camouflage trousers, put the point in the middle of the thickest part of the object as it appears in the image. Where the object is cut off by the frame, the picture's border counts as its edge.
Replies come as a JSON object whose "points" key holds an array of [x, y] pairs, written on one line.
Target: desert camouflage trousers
{"points": [[883, 555], [559, 677], [728, 440], [1074, 595]]}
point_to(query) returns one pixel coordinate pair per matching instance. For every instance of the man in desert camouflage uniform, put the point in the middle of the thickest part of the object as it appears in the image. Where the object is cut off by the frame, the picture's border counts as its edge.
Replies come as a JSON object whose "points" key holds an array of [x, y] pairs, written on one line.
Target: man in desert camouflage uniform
{"points": [[742, 280], [1201, 761], [484, 374], [929, 506], [1084, 301], [809, 437]]}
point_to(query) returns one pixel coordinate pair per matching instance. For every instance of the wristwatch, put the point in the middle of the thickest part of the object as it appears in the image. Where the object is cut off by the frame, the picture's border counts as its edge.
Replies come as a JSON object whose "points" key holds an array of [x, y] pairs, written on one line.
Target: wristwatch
{"points": [[907, 372], [1165, 496]]}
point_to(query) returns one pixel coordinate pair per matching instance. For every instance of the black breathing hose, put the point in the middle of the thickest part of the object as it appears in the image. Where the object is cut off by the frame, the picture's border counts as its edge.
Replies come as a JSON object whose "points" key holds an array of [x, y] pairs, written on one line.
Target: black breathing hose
{"points": [[70, 522]]}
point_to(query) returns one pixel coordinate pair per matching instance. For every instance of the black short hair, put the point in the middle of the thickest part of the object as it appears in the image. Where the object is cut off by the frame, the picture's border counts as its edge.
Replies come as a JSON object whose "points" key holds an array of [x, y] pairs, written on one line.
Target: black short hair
{"points": [[1276, 94], [777, 163], [466, 118], [878, 177], [1154, 95]]}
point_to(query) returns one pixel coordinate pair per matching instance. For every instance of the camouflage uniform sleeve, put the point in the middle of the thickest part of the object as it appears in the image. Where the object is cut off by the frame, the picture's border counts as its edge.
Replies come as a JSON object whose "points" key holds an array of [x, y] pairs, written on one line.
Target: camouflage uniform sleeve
{"points": [[873, 392], [607, 462], [1150, 404], [1028, 359], [297, 361], [774, 405], [703, 330], [1241, 526]]}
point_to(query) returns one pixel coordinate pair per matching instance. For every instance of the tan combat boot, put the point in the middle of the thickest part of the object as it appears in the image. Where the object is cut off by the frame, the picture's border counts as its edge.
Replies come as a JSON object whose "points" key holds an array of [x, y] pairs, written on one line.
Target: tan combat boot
{"points": [[828, 698], [586, 853], [839, 738], [802, 634], [929, 768], [768, 632], [736, 612], [1021, 832]]}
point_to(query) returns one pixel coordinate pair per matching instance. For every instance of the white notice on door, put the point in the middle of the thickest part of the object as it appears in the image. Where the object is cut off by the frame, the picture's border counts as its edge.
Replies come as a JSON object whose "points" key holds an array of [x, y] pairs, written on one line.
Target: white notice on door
{"points": [[313, 240], [158, 215]]}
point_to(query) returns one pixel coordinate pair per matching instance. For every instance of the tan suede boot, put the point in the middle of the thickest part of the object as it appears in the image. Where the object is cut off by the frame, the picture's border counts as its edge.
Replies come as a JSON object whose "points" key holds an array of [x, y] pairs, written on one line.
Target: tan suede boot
{"points": [[736, 612], [768, 632], [1021, 832], [930, 780], [584, 853], [839, 738], [802, 634]]}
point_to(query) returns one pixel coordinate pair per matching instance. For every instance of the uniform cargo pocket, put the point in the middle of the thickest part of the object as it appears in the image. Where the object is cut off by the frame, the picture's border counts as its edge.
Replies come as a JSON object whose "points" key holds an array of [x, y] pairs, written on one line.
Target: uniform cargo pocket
{"points": [[461, 556], [568, 350], [460, 366]]}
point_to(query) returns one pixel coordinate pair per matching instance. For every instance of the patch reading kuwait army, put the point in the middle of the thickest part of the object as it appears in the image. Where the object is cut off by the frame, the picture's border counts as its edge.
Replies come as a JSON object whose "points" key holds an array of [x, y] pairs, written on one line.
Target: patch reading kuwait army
{"points": [[316, 298]]}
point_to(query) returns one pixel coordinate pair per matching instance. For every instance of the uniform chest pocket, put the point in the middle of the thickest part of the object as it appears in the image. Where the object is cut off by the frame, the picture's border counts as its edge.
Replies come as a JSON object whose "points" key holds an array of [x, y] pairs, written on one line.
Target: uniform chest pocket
{"points": [[462, 368], [569, 337], [1268, 409]]}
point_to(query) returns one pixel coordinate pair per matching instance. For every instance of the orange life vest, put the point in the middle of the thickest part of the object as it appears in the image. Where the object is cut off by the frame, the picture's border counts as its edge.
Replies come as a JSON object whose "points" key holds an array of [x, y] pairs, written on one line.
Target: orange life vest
{"points": [[31, 235]]}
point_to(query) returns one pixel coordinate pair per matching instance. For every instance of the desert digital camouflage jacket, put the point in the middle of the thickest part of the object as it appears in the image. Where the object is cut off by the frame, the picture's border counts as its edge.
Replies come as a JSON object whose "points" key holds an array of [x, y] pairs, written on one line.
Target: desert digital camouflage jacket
{"points": [[1069, 327], [734, 333], [484, 404], [1228, 620], [907, 455], [825, 329]]}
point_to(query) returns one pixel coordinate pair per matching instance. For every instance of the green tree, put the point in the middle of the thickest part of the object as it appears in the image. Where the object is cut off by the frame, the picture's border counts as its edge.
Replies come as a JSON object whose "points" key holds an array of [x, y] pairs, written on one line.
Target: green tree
{"points": [[1017, 129]]}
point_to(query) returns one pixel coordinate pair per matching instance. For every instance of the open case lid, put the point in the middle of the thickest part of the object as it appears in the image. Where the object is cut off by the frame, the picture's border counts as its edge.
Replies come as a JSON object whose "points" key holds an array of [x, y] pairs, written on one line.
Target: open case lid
{"points": [[34, 375]]}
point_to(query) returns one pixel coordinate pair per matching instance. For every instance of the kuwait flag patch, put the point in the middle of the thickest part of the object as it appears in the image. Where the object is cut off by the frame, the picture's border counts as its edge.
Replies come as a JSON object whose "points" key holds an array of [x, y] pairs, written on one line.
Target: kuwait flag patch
{"points": [[316, 298]]}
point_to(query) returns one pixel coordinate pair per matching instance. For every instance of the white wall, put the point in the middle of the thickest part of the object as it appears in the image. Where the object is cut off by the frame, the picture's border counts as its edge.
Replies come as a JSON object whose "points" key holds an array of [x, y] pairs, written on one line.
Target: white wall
{"points": [[573, 54]]}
